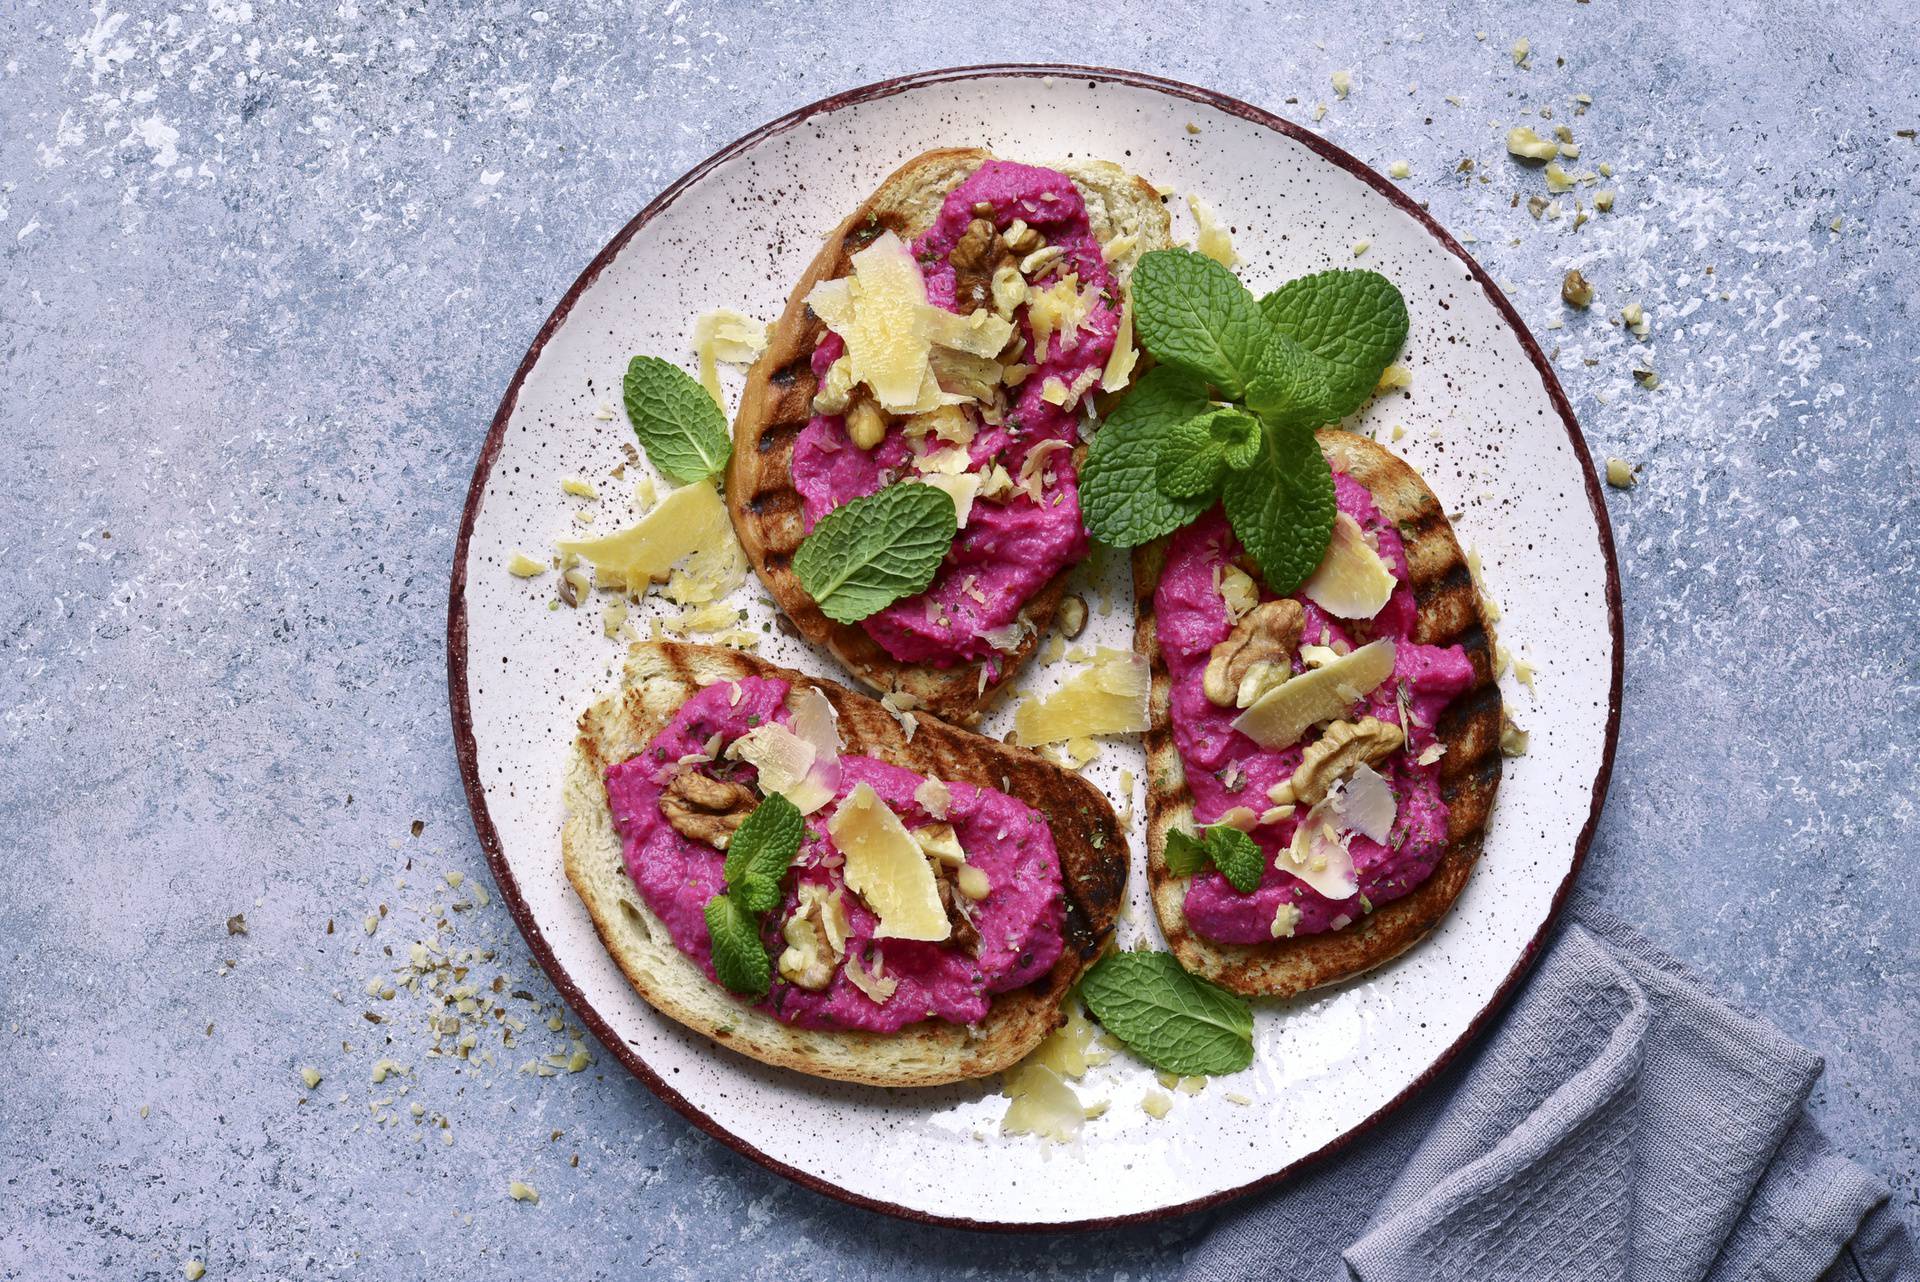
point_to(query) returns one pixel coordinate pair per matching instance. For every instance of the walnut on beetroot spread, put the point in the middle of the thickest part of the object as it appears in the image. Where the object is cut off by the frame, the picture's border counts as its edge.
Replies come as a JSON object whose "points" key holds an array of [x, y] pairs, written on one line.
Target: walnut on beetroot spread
{"points": [[706, 809], [1261, 644], [1343, 748]]}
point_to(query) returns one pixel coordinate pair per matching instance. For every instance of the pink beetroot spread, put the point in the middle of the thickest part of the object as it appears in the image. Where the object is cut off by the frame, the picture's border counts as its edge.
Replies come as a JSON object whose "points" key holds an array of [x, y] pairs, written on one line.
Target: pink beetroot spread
{"points": [[1191, 617], [1009, 549], [1020, 921]]}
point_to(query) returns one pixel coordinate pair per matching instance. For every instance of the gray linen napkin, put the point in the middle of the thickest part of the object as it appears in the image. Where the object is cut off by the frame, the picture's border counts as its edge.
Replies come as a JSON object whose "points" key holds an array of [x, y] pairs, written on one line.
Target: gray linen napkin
{"points": [[1622, 1124]]}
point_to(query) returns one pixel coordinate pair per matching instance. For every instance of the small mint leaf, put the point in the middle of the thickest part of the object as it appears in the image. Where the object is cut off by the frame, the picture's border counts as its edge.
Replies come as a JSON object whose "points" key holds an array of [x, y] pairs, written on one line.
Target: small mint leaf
{"points": [[1173, 1020], [1236, 856], [868, 553], [682, 430], [1282, 507], [764, 845], [1185, 854], [756, 895], [1189, 461], [1195, 315], [739, 958], [1120, 500], [1290, 388], [1354, 321]]}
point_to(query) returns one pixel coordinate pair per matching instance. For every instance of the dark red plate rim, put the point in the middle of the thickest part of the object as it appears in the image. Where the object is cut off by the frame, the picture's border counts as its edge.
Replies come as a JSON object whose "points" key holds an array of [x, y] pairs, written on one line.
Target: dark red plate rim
{"points": [[467, 750]]}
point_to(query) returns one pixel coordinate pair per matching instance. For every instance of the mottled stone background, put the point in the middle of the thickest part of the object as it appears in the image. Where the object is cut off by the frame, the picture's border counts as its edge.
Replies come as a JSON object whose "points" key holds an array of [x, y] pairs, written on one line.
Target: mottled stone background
{"points": [[267, 269]]}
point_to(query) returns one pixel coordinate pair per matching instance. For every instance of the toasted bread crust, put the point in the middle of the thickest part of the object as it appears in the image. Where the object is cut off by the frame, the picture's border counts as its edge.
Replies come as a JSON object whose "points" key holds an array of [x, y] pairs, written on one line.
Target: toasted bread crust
{"points": [[1450, 613], [660, 677], [777, 404]]}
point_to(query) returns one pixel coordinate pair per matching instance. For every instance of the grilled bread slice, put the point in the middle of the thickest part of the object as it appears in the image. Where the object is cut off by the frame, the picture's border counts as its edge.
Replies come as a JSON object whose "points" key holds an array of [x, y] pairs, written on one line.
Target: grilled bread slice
{"points": [[1450, 612], [660, 677], [778, 403]]}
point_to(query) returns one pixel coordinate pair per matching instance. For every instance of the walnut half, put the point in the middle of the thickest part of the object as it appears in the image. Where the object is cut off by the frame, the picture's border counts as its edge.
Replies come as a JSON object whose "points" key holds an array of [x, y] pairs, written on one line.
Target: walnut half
{"points": [[1262, 641], [1335, 755], [706, 809]]}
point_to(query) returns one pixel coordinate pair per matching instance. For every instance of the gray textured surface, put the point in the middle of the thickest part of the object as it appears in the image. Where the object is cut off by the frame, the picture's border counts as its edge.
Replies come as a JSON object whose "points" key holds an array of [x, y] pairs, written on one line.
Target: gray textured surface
{"points": [[267, 269]]}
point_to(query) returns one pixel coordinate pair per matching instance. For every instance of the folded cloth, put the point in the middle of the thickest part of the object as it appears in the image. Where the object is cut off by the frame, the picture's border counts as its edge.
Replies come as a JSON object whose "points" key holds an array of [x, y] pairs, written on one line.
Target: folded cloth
{"points": [[1621, 1124]]}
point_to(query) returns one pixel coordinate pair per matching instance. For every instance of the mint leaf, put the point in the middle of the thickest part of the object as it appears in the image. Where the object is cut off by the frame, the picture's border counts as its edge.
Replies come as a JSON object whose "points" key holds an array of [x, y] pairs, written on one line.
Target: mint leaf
{"points": [[1173, 1020], [1231, 851], [1282, 507], [682, 430], [739, 958], [865, 555], [1290, 389], [1189, 461], [1239, 437], [1354, 321], [1119, 497], [756, 895], [1195, 315], [1185, 854], [764, 846], [1236, 856]]}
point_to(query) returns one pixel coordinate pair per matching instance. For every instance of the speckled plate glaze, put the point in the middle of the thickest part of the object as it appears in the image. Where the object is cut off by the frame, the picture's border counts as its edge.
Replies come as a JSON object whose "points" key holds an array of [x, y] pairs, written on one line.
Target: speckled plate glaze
{"points": [[1485, 422]]}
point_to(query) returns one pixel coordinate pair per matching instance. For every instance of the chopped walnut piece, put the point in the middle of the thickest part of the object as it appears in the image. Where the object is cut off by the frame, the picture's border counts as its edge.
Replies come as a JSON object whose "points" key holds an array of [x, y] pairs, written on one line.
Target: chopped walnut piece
{"points": [[1576, 290], [1344, 747], [806, 961], [971, 251], [959, 908], [1260, 646], [1020, 238], [706, 809], [866, 423]]}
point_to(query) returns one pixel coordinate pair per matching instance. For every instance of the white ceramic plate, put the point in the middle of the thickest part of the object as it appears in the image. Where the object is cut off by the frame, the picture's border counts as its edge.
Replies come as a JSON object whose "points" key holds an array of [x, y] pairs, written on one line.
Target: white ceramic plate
{"points": [[1485, 422]]}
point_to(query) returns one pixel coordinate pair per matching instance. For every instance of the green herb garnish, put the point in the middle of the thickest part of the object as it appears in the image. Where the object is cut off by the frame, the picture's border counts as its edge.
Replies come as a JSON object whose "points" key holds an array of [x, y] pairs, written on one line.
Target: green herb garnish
{"points": [[866, 554], [1231, 851], [1173, 1020], [682, 430], [758, 856], [1230, 410]]}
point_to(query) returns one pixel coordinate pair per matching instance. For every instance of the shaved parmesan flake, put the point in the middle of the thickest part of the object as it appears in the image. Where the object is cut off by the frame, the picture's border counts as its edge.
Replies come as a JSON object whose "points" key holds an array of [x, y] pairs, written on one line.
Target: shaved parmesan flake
{"points": [[1058, 311], [1119, 370], [689, 525], [1433, 753], [1352, 582], [933, 796], [979, 334], [523, 566], [785, 763], [1317, 856], [1110, 697], [876, 312], [885, 868], [1213, 240], [1279, 717], [1368, 804], [1033, 467], [725, 336], [1042, 1105], [1070, 1049], [876, 986], [816, 722]]}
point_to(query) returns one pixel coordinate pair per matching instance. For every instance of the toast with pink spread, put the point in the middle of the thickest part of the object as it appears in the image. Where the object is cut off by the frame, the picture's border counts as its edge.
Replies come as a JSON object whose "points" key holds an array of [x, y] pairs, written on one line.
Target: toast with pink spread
{"points": [[1038, 255], [1025, 864], [1413, 752]]}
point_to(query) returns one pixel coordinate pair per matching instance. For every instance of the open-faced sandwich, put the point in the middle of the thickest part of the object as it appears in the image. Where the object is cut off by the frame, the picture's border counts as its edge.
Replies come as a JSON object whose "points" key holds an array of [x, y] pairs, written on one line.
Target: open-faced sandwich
{"points": [[950, 339], [1350, 729], [793, 871]]}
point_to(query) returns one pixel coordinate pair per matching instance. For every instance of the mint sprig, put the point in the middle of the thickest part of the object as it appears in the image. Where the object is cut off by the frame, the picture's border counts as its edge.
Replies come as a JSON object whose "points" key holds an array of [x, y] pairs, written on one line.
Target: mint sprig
{"points": [[1353, 321], [1228, 849], [1175, 1021], [1165, 454], [1195, 315], [868, 553], [758, 856], [1120, 500], [682, 430]]}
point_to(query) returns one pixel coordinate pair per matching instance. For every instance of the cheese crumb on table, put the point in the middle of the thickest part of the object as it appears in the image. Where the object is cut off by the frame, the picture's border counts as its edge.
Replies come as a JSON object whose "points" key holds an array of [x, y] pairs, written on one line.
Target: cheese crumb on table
{"points": [[520, 1191]]}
